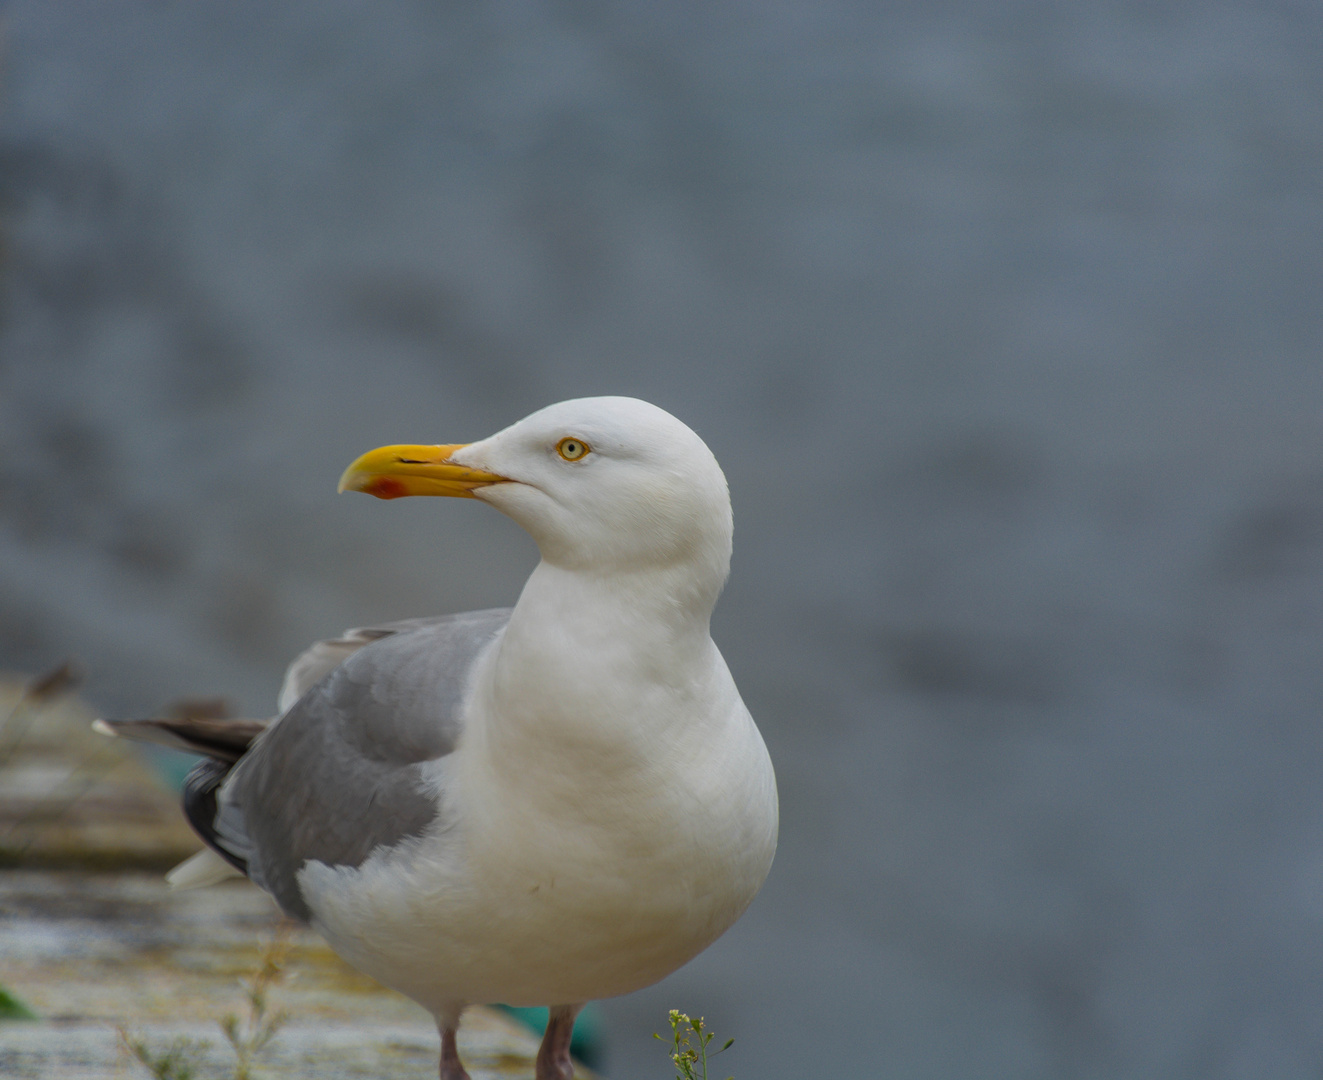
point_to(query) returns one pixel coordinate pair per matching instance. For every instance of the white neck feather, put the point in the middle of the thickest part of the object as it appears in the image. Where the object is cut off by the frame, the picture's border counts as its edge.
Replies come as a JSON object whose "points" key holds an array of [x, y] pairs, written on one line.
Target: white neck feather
{"points": [[613, 673]]}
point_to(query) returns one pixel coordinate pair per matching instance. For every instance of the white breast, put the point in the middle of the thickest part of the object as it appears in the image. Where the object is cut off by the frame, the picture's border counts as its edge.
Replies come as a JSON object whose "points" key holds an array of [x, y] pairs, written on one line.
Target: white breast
{"points": [[565, 868]]}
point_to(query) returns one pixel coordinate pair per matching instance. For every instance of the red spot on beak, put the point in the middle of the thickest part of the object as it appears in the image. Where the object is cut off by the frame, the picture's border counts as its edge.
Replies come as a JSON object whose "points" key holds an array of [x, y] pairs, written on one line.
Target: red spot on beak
{"points": [[384, 487]]}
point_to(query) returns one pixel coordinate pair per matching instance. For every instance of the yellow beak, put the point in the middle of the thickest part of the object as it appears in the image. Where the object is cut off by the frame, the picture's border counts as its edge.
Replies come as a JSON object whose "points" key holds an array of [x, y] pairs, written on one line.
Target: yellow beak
{"points": [[390, 472]]}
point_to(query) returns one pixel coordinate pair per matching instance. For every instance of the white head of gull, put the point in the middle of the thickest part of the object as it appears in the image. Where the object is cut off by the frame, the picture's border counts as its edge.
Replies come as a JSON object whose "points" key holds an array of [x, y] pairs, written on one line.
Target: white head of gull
{"points": [[537, 806]]}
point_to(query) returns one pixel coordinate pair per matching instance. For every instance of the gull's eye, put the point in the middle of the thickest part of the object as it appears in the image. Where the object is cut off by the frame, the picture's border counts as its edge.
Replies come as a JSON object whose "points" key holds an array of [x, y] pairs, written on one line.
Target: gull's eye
{"points": [[572, 449]]}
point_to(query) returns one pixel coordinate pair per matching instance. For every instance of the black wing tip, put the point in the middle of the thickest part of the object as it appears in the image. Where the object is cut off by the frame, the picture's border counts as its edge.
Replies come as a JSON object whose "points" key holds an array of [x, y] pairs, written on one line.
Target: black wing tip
{"points": [[199, 801]]}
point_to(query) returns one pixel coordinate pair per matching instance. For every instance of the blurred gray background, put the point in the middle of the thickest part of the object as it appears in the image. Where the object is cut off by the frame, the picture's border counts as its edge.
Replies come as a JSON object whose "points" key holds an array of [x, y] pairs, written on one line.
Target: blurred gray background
{"points": [[1004, 320]]}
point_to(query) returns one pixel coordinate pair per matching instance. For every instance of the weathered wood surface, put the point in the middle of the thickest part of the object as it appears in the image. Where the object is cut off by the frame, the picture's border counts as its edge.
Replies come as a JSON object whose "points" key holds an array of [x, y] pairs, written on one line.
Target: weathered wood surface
{"points": [[92, 940], [93, 953], [70, 798]]}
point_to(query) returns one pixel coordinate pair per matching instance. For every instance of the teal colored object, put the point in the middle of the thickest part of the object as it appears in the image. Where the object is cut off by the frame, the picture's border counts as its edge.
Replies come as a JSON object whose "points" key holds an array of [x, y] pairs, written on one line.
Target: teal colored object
{"points": [[170, 765], [589, 1036]]}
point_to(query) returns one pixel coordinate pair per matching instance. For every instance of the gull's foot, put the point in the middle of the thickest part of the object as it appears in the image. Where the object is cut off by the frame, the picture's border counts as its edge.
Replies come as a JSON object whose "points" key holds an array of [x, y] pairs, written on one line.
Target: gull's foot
{"points": [[451, 1067], [553, 1057]]}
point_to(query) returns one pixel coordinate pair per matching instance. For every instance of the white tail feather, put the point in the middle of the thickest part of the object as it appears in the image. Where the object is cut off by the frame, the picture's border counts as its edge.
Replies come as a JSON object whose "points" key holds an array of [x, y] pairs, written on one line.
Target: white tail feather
{"points": [[197, 871]]}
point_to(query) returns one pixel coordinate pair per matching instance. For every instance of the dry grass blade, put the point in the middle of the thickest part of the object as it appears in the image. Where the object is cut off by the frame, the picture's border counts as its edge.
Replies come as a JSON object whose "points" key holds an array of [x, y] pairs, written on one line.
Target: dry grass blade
{"points": [[176, 1062], [249, 1036], [52, 684], [39, 691]]}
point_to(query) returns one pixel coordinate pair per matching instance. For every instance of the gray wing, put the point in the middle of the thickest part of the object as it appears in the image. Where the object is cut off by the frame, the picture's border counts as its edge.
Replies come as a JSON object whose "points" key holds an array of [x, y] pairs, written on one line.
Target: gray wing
{"points": [[340, 773], [322, 657]]}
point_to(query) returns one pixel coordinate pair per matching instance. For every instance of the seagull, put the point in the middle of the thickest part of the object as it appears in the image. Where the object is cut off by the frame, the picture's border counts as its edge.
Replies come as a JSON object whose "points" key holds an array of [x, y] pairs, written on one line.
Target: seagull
{"points": [[543, 805]]}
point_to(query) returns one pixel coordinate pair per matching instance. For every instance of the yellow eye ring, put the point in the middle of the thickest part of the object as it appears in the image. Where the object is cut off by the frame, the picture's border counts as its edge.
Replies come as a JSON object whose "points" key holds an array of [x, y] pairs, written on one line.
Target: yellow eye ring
{"points": [[572, 449]]}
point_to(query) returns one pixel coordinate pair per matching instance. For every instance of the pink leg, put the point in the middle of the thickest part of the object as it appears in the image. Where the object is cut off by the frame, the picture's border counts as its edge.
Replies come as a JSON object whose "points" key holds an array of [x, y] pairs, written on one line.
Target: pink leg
{"points": [[553, 1057], [451, 1068]]}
